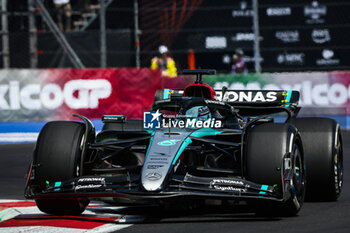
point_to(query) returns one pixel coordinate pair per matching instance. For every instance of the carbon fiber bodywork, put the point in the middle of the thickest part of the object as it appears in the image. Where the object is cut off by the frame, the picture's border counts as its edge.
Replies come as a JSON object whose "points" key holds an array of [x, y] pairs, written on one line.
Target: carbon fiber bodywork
{"points": [[163, 174], [190, 162]]}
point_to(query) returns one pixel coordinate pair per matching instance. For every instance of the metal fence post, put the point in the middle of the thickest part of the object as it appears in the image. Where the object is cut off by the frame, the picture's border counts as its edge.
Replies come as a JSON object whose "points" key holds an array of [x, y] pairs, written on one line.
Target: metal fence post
{"points": [[256, 36], [32, 36], [59, 36], [103, 42], [5, 35], [137, 33]]}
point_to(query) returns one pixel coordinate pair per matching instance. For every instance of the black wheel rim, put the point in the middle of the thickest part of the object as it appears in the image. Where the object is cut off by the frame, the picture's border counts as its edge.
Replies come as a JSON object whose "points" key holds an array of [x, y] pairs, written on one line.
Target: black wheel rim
{"points": [[299, 175]]}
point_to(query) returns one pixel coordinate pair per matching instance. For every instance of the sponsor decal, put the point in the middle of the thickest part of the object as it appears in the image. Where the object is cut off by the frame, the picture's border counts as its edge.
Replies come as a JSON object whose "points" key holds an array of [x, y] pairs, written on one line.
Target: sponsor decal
{"points": [[226, 59], [320, 36], [151, 120], [92, 179], [290, 36], [249, 59], [243, 12], [278, 11], [153, 166], [247, 96], [312, 94], [90, 186], [223, 181], [76, 94], [228, 185], [229, 188], [328, 58], [152, 176], [163, 101], [169, 142], [290, 58], [314, 13], [161, 154], [214, 102], [215, 42], [244, 36]]}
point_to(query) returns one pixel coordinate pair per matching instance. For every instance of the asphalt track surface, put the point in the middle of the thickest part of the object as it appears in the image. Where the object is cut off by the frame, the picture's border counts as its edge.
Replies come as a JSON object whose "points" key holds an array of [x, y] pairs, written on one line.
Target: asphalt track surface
{"points": [[314, 217]]}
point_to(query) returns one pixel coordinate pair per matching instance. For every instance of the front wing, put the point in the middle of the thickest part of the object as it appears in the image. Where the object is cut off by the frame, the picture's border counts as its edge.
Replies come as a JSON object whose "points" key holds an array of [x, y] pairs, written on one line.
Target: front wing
{"points": [[127, 186]]}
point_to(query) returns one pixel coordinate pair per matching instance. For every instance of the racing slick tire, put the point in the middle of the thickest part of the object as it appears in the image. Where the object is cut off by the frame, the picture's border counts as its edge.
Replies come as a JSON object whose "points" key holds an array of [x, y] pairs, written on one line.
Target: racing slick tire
{"points": [[57, 154], [129, 125], [266, 147], [323, 150]]}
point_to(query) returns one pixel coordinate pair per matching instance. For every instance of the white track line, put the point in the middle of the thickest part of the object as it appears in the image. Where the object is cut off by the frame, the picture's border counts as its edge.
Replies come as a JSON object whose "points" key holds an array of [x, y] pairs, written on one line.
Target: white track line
{"points": [[11, 200], [18, 137], [107, 228]]}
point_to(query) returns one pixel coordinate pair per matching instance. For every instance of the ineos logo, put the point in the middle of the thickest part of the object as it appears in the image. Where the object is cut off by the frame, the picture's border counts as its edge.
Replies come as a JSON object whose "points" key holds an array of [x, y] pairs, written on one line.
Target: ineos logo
{"points": [[76, 94]]}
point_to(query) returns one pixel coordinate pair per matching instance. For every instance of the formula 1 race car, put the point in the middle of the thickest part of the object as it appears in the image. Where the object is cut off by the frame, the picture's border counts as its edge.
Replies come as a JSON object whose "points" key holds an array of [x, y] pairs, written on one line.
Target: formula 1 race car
{"points": [[194, 144]]}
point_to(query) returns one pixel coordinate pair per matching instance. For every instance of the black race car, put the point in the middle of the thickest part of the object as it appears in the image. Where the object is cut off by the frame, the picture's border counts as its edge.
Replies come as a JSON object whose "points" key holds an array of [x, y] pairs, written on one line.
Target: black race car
{"points": [[194, 144]]}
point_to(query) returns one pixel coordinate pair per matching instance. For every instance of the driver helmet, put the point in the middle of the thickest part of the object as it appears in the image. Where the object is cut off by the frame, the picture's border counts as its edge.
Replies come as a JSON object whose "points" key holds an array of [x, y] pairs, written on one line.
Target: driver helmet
{"points": [[200, 113]]}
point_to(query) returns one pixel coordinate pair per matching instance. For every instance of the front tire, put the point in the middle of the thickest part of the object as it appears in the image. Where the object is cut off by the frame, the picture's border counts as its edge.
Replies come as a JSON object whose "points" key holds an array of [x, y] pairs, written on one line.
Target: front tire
{"points": [[57, 155], [266, 147]]}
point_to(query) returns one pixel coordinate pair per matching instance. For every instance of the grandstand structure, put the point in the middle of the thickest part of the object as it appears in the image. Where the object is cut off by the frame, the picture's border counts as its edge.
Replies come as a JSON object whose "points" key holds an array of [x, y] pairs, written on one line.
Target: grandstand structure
{"points": [[276, 36]]}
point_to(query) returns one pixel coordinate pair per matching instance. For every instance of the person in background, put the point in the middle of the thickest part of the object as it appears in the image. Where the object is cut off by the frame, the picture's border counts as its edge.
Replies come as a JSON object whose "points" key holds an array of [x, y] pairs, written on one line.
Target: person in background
{"points": [[84, 6], [164, 62], [238, 66], [63, 7]]}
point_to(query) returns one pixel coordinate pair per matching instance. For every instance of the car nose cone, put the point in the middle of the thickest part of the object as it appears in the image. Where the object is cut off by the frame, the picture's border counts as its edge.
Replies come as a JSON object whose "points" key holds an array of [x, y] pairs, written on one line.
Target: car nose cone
{"points": [[152, 176]]}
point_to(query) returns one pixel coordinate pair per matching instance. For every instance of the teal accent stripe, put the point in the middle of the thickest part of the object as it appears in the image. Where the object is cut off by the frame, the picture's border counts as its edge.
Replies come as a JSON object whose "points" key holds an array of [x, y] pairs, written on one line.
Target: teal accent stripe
{"points": [[185, 143], [166, 94], [58, 184], [205, 132], [151, 131], [264, 187], [150, 143], [57, 189], [289, 95], [261, 192]]}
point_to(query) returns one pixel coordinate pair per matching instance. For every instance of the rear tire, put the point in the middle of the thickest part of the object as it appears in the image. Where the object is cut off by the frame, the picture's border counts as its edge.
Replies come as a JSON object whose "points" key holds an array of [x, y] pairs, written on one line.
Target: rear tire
{"points": [[323, 149], [265, 149], [58, 154]]}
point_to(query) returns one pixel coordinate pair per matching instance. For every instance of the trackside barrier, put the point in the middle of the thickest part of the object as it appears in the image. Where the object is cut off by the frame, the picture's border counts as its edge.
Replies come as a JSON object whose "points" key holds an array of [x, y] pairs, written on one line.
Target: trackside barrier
{"points": [[56, 94], [29, 98]]}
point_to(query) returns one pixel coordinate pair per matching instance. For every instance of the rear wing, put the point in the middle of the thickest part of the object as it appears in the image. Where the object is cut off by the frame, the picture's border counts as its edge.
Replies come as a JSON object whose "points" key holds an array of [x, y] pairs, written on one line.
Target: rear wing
{"points": [[237, 98], [259, 98]]}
